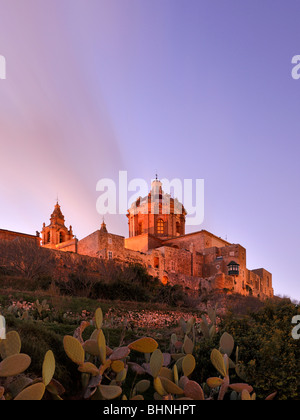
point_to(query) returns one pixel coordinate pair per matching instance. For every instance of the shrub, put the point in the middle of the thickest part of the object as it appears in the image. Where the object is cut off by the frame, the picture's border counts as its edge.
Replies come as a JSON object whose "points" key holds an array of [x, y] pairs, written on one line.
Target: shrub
{"points": [[270, 354]]}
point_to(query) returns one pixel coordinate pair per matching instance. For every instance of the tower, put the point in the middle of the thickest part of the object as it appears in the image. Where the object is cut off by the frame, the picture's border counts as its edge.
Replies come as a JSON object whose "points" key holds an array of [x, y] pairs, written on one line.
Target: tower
{"points": [[103, 228], [56, 233]]}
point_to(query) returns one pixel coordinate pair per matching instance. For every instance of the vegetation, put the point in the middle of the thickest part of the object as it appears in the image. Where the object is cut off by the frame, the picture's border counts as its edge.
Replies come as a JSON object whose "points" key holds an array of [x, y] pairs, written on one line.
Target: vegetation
{"points": [[270, 354], [148, 341], [196, 360], [25, 266], [104, 371]]}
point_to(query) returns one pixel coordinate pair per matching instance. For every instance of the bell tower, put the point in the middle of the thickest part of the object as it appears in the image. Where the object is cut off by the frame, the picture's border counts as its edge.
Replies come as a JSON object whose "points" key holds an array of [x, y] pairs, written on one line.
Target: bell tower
{"points": [[56, 233]]}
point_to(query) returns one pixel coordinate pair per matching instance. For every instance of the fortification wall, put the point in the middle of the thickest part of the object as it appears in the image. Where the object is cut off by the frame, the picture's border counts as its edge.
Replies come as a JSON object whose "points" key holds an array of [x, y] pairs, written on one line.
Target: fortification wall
{"points": [[7, 235]]}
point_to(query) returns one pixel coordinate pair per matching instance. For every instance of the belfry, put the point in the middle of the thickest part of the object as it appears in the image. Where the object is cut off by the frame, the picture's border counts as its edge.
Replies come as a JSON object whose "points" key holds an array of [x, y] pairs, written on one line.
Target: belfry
{"points": [[56, 235]]}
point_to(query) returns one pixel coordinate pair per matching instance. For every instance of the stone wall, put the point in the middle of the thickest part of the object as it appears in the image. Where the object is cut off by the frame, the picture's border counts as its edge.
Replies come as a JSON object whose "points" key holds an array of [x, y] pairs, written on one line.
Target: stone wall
{"points": [[200, 240], [195, 261], [8, 235], [108, 246]]}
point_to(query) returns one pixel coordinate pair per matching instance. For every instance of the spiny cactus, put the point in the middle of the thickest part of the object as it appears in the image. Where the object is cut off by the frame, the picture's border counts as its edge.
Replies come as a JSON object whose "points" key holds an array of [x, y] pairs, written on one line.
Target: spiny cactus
{"points": [[209, 328], [104, 370], [11, 345], [14, 364], [27, 310]]}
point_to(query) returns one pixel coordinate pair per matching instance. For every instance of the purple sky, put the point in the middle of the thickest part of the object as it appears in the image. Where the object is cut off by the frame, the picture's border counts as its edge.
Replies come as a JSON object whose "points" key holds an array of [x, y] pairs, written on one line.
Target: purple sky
{"points": [[191, 89]]}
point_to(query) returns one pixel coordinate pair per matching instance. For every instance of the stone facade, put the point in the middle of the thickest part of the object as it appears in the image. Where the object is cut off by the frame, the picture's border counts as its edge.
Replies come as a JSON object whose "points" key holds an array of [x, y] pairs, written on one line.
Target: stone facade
{"points": [[7, 235], [199, 261]]}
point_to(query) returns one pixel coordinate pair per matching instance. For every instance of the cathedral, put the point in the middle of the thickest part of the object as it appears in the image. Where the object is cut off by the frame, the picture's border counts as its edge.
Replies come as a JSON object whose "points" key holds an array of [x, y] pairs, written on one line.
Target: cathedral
{"points": [[199, 261]]}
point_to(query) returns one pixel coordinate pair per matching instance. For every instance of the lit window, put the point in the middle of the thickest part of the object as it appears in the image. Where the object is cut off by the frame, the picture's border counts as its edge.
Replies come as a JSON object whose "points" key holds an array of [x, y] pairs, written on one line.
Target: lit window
{"points": [[165, 280], [233, 269], [160, 227]]}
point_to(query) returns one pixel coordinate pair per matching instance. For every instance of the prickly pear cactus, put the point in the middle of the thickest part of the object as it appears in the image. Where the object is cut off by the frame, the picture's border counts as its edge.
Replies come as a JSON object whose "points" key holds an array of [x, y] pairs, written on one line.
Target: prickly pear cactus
{"points": [[14, 365], [104, 370]]}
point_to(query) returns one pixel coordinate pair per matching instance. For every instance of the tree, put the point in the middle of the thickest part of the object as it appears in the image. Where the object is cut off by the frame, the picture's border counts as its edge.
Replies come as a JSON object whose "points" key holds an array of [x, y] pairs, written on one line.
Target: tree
{"points": [[25, 258]]}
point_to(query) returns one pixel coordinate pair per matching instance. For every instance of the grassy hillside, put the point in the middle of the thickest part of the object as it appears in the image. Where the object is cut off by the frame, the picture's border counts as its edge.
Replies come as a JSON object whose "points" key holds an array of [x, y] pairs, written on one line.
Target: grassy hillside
{"points": [[268, 357]]}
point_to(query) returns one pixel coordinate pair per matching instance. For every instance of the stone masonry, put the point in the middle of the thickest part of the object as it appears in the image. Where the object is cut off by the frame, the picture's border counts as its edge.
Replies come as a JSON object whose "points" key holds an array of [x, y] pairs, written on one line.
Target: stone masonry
{"points": [[199, 261]]}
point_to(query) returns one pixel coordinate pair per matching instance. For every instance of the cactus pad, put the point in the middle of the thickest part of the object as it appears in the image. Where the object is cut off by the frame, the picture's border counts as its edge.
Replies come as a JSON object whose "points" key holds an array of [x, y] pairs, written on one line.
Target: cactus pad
{"points": [[226, 344], [89, 368], [218, 362], [102, 346], [170, 387], [99, 318], [91, 347], [144, 345], [14, 365], [48, 367], [32, 393], [159, 387], [188, 365], [10, 346], [74, 349], [117, 366], [110, 392], [120, 353], [194, 391], [214, 382], [156, 362]]}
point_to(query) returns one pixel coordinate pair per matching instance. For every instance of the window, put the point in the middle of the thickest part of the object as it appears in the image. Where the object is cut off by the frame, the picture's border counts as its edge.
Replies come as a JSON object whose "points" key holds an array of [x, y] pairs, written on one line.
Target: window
{"points": [[160, 227], [61, 237], [178, 228], [165, 280], [156, 262], [48, 237], [233, 269], [140, 228], [110, 255]]}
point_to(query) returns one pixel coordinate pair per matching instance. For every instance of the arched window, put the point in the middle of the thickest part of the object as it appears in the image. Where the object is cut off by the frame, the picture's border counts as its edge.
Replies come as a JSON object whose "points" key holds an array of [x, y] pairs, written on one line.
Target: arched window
{"points": [[48, 237], [156, 262], [160, 227], [61, 237], [178, 228]]}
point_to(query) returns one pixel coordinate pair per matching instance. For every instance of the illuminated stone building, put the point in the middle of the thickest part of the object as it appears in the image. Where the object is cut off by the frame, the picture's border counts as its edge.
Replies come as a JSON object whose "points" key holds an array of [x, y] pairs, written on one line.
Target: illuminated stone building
{"points": [[198, 261]]}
